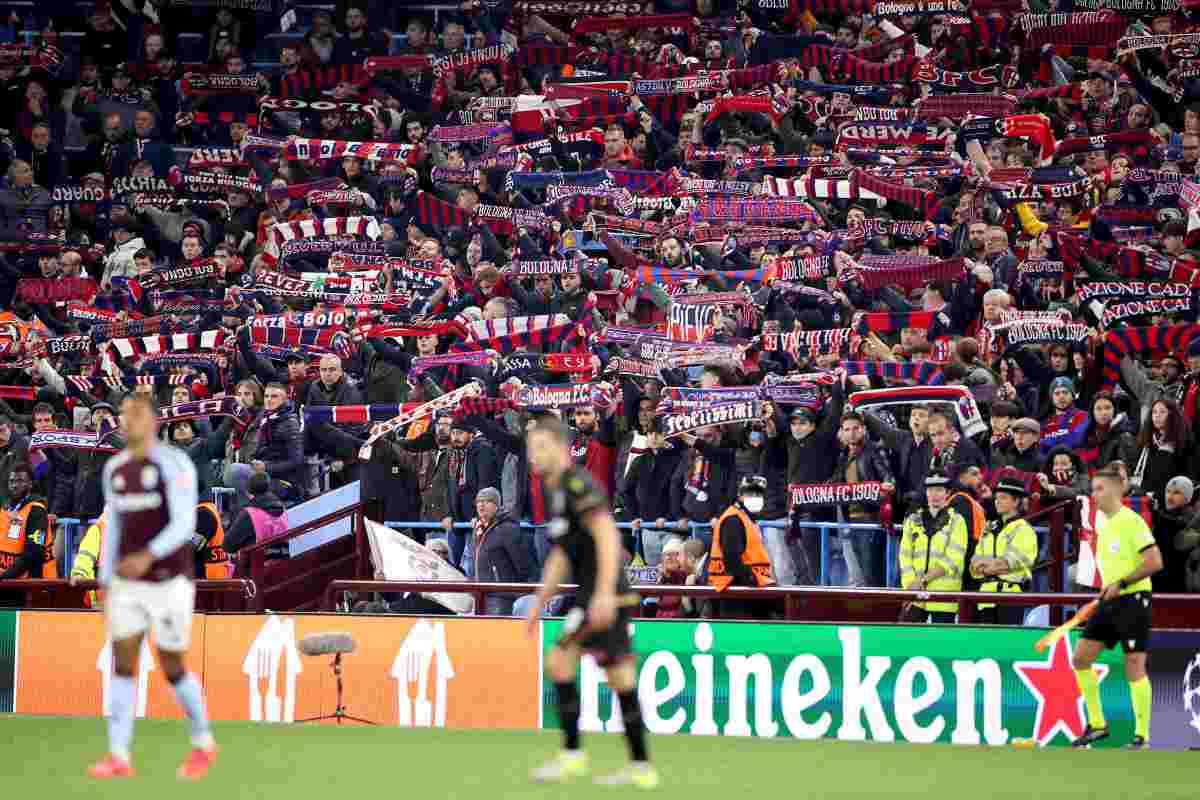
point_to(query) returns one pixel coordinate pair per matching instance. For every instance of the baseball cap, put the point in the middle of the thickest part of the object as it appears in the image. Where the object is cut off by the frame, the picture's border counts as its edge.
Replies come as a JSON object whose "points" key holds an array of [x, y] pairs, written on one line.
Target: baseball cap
{"points": [[804, 414]]}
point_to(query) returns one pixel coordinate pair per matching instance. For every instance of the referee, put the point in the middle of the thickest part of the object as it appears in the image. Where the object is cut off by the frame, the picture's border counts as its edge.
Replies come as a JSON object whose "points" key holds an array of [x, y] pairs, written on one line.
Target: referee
{"points": [[1127, 557]]}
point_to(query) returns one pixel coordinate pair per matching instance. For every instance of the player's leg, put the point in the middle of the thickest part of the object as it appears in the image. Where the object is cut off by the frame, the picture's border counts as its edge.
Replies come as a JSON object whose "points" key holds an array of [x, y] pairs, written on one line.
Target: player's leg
{"points": [[127, 619], [172, 626], [562, 665], [1086, 651], [622, 677], [1135, 631]]}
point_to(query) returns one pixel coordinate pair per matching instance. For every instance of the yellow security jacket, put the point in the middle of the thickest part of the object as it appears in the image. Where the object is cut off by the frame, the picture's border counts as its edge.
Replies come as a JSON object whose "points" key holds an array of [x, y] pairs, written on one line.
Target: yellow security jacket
{"points": [[944, 545], [1016, 542]]}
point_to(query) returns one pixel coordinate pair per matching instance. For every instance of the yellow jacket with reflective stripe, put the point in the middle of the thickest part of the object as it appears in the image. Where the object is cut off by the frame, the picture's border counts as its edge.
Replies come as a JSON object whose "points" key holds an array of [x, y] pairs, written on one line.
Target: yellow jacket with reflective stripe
{"points": [[945, 546], [1016, 542]]}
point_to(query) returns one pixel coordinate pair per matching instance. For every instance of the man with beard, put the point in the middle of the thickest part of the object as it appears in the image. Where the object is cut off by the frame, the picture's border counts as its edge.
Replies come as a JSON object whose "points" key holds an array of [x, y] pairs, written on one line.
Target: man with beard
{"points": [[594, 445], [1067, 426], [433, 471], [473, 466], [358, 43], [326, 439]]}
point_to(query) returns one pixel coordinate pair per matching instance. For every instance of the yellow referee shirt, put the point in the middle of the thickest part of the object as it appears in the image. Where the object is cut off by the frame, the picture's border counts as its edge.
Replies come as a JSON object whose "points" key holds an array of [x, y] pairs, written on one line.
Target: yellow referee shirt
{"points": [[1120, 541]]}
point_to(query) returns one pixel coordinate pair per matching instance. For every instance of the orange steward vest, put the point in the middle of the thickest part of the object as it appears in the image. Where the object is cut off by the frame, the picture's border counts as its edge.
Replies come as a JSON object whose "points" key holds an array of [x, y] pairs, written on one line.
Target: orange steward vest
{"points": [[13, 533], [217, 565], [754, 556]]}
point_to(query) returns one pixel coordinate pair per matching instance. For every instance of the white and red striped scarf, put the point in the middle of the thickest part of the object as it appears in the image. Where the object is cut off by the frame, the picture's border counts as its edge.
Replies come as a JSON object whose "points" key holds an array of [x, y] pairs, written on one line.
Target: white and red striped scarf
{"points": [[174, 343], [816, 189], [283, 232]]}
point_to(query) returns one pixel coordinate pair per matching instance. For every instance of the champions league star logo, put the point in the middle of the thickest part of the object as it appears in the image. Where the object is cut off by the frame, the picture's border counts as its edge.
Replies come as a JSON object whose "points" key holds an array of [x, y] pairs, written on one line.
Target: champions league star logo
{"points": [[1191, 691]]}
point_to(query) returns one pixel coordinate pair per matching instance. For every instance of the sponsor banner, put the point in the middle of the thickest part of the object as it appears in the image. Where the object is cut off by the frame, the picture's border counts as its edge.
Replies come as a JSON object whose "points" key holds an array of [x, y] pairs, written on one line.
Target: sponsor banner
{"points": [[1174, 668], [959, 684], [8, 659], [48, 683], [407, 671]]}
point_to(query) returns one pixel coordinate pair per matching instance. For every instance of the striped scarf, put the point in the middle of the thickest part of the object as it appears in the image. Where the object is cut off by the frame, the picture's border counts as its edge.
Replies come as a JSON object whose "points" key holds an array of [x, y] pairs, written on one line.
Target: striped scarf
{"points": [[924, 373], [970, 422], [510, 334], [1160, 340], [925, 202], [305, 339], [446, 402], [283, 232], [816, 189], [356, 414], [690, 323], [79, 385], [175, 343]]}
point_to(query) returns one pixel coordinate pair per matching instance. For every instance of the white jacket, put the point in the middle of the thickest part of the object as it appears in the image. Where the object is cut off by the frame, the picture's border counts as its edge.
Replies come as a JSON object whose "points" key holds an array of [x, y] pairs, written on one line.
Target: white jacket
{"points": [[120, 261]]}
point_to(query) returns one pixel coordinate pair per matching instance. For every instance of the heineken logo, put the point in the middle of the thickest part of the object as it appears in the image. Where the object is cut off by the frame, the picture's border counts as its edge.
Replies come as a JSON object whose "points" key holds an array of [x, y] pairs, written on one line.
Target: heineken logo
{"points": [[856, 683]]}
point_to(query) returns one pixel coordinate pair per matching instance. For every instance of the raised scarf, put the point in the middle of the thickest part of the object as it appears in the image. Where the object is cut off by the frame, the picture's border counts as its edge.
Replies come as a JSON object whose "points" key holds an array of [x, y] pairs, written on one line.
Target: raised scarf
{"points": [[56, 290], [333, 149], [175, 343]]}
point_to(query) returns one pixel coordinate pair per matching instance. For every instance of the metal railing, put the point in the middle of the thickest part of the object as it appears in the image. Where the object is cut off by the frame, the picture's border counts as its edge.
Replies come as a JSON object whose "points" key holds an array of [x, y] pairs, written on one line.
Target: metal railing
{"points": [[703, 531], [255, 556], [1165, 605], [246, 590]]}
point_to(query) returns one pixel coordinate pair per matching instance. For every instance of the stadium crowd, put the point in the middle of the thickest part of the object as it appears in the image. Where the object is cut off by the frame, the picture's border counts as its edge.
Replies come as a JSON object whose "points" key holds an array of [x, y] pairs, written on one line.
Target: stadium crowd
{"points": [[924, 264]]}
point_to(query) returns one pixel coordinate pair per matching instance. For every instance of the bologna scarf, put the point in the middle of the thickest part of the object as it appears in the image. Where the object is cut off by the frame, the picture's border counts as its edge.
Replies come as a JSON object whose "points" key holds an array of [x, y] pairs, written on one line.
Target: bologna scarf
{"points": [[56, 290], [1161, 340]]}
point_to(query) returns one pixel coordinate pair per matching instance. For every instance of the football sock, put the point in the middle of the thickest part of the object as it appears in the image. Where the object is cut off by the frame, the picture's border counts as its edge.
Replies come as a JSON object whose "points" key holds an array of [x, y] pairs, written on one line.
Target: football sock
{"points": [[568, 713], [1139, 690], [122, 694], [191, 697], [1090, 686], [635, 726]]}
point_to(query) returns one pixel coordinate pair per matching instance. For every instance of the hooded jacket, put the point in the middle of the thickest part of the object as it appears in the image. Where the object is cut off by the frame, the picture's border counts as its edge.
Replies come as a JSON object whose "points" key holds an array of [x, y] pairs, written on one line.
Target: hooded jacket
{"points": [[242, 533], [120, 260]]}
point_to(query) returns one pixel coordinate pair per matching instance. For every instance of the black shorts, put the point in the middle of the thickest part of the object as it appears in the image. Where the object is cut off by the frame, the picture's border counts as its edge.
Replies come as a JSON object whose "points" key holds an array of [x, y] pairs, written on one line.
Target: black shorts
{"points": [[1125, 620], [609, 646]]}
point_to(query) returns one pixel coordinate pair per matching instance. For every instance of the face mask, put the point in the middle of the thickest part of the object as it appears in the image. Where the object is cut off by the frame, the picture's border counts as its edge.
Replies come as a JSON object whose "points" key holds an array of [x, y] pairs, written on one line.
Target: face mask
{"points": [[753, 503], [756, 438]]}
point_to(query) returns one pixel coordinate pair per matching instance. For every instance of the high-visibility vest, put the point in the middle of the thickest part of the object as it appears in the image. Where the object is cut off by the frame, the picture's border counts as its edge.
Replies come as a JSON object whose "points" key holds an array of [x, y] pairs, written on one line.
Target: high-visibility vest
{"points": [[921, 550], [217, 565], [1016, 542], [13, 534], [978, 521], [754, 556], [87, 559]]}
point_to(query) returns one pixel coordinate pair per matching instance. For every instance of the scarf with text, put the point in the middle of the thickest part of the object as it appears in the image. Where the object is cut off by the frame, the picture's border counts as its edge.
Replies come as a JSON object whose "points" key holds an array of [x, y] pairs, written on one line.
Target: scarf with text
{"points": [[810, 496], [56, 290], [803, 343], [334, 149], [740, 412], [909, 272], [130, 347], [512, 334]]}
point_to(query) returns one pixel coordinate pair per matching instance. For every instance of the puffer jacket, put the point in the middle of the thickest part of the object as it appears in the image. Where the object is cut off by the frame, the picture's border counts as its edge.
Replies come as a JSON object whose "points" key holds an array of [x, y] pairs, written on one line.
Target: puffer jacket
{"points": [[336, 441]]}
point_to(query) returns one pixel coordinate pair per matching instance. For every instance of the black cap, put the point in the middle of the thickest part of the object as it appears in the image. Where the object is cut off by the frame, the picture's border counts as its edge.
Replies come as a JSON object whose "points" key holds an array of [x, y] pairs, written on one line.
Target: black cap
{"points": [[1010, 485], [937, 479], [753, 484]]}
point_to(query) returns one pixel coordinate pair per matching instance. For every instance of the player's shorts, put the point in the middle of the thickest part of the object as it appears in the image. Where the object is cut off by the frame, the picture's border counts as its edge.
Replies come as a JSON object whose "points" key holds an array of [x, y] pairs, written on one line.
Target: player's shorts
{"points": [[609, 646], [164, 609], [1125, 620]]}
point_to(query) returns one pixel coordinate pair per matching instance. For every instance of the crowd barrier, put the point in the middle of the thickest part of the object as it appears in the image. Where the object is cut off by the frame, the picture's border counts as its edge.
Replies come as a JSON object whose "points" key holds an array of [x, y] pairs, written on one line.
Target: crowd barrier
{"points": [[211, 595], [651, 546], [959, 684]]}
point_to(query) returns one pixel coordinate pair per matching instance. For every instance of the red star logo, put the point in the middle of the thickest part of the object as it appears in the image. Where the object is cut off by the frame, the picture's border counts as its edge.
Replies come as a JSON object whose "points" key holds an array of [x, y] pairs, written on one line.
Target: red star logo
{"points": [[1053, 683]]}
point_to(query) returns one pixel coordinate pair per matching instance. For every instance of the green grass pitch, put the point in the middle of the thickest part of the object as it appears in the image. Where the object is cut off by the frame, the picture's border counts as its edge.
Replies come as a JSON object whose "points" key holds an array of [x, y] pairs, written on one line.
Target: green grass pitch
{"points": [[47, 758]]}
